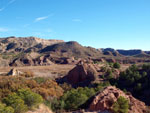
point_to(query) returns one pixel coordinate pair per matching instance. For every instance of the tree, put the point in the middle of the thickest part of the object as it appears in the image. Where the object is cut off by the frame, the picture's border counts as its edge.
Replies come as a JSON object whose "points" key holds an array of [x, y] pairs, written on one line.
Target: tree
{"points": [[116, 65], [121, 105], [144, 74], [30, 98], [15, 102], [5, 109], [138, 87], [73, 99]]}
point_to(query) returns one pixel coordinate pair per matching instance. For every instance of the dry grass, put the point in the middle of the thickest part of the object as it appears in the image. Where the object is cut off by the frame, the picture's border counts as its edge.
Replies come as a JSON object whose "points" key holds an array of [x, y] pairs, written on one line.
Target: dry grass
{"points": [[52, 71]]}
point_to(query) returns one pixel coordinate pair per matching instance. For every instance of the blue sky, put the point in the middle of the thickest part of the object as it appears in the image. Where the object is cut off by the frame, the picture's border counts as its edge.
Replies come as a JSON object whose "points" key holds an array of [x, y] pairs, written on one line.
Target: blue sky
{"points": [[120, 24]]}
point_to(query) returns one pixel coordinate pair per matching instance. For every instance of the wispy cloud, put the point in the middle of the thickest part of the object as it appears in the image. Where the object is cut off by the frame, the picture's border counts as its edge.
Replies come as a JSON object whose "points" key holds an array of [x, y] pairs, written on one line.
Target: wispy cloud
{"points": [[40, 18], [76, 20], [3, 29], [11, 1]]}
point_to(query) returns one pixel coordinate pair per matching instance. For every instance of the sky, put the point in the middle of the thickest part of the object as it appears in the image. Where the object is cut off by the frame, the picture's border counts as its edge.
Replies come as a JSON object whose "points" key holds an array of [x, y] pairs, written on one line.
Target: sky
{"points": [[119, 24]]}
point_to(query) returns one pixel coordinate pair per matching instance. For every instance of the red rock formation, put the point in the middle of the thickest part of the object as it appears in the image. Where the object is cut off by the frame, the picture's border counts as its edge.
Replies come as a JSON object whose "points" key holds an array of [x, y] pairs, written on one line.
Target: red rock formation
{"points": [[105, 99], [82, 72]]}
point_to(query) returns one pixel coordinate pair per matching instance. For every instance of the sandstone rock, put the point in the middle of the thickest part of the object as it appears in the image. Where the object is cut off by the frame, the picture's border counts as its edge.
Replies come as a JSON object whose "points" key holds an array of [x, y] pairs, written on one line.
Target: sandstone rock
{"points": [[105, 99], [14, 72], [43, 60], [82, 72]]}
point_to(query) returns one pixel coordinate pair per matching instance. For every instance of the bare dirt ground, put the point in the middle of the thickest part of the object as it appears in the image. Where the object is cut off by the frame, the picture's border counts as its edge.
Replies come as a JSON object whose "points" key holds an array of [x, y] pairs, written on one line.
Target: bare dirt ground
{"points": [[52, 71]]}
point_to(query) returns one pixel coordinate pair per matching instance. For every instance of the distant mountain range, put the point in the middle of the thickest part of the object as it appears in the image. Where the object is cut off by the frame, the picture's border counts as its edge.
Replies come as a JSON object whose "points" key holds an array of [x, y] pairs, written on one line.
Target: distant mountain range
{"points": [[22, 51], [134, 52]]}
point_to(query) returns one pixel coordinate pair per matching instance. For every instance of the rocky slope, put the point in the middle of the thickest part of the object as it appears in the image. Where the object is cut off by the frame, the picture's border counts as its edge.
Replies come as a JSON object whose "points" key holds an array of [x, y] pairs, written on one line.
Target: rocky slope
{"points": [[69, 49], [21, 44], [134, 52], [27, 51], [105, 99]]}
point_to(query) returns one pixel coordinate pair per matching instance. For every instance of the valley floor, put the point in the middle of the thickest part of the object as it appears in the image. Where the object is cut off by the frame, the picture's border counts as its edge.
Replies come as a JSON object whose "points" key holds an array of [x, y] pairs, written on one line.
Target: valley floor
{"points": [[52, 71]]}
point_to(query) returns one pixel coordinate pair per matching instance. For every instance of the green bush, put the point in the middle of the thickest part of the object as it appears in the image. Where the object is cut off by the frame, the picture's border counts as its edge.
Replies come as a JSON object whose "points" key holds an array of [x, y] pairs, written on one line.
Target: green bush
{"points": [[40, 80], [121, 105], [5, 109], [73, 99], [116, 65], [30, 98], [103, 69], [54, 104], [15, 102]]}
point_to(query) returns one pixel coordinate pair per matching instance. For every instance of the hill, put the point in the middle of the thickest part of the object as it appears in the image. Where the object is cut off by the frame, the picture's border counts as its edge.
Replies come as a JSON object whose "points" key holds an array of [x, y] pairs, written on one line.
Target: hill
{"points": [[21, 44], [72, 48], [27, 51]]}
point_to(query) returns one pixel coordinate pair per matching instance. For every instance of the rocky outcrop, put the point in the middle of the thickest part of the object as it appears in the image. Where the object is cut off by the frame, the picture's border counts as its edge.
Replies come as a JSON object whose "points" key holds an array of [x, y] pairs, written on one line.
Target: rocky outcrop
{"points": [[105, 99], [32, 59], [14, 72], [43, 60], [82, 73]]}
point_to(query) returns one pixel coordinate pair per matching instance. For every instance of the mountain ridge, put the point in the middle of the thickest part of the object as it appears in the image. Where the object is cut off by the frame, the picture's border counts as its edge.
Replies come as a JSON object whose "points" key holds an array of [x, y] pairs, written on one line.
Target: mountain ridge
{"points": [[25, 51]]}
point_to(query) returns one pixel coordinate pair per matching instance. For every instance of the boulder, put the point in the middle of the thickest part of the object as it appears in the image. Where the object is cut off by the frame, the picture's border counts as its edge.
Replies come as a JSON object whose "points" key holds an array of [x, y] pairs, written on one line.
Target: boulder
{"points": [[105, 99], [14, 72], [81, 73]]}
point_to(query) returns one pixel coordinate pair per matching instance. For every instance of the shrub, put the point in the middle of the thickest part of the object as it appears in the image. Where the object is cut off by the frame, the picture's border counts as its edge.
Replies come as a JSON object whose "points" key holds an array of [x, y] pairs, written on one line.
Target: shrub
{"points": [[15, 102], [28, 74], [5, 109], [66, 87], [121, 105], [9, 84], [30, 98], [103, 69], [73, 99], [40, 80], [116, 65], [76, 97], [55, 105]]}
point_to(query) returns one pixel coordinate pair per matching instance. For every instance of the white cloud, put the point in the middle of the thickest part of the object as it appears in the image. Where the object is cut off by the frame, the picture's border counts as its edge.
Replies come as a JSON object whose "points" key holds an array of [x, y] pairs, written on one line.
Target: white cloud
{"points": [[3, 29], [40, 18], [76, 20]]}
